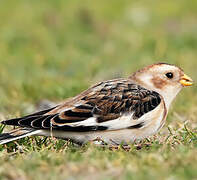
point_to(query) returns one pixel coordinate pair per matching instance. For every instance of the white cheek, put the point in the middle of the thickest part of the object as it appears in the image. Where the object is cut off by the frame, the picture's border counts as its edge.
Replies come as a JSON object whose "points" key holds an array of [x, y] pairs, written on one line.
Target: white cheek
{"points": [[169, 93]]}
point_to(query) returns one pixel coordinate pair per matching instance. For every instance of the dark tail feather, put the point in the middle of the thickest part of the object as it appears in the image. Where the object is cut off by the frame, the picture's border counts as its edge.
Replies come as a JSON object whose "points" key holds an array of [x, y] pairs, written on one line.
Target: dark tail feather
{"points": [[15, 121], [16, 134]]}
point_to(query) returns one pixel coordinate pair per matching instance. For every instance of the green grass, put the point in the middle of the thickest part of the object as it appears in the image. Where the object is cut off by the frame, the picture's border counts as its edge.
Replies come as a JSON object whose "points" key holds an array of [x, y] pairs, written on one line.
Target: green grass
{"points": [[55, 49]]}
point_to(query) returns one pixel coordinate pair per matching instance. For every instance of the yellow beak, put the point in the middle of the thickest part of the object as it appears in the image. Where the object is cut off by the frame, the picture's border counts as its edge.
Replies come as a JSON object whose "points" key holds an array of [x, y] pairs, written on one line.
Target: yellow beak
{"points": [[186, 80]]}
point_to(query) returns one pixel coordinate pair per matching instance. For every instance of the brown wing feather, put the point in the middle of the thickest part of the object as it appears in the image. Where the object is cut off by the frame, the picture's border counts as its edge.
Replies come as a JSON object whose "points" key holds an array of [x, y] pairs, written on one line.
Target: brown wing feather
{"points": [[104, 101]]}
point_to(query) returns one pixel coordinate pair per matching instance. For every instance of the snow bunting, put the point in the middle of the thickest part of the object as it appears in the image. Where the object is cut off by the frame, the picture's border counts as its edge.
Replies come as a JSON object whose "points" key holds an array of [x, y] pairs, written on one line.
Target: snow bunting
{"points": [[116, 111]]}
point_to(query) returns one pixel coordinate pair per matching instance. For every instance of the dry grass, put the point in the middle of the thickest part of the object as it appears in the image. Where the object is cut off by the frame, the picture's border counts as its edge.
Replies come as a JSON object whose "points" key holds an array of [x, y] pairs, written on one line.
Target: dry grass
{"points": [[55, 49]]}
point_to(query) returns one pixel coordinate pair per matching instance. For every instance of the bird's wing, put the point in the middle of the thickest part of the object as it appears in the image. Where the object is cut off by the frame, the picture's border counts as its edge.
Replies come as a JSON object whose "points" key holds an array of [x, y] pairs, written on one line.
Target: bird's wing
{"points": [[97, 108]]}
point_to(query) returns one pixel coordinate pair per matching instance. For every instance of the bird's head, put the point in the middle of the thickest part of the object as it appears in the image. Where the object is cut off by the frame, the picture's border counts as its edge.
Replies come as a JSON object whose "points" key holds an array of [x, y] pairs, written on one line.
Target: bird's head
{"points": [[163, 78]]}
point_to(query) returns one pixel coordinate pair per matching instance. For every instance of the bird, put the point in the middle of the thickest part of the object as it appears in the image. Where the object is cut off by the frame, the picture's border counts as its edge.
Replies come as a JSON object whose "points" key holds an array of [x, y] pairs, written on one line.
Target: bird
{"points": [[115, 111]]}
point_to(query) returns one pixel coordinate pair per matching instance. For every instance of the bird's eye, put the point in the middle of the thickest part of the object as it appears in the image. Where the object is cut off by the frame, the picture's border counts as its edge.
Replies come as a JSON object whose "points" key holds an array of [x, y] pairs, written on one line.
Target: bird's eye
{"points": [[169, 75]]}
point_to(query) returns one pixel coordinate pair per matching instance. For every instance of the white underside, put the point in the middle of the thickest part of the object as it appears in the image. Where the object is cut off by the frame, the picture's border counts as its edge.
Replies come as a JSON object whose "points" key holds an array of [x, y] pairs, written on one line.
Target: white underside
{"points": [[111, 137], [118, 131]]}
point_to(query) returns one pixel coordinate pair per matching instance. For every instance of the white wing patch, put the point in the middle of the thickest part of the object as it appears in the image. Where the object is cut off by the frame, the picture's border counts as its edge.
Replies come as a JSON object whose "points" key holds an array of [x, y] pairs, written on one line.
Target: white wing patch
{"points": [[122, 122], [126, 120]]}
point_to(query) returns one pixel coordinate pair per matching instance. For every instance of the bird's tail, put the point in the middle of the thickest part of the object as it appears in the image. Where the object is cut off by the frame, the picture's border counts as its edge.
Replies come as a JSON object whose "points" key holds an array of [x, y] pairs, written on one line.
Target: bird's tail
{"points": [[17, 134]]}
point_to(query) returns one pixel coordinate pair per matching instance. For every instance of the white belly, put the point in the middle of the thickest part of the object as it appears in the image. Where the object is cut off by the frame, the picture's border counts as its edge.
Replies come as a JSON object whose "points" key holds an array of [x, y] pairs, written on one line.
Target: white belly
{"points": [[153, 121]]}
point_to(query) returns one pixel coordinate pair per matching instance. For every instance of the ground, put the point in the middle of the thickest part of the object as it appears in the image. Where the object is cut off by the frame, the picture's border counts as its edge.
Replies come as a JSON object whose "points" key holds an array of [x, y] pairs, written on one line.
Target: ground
{"points": [[52, 50]]}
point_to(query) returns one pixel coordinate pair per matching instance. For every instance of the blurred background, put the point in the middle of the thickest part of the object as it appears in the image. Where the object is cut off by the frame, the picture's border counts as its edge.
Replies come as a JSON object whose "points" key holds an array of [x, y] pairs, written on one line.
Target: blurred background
{"points": [[54, 49]]}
